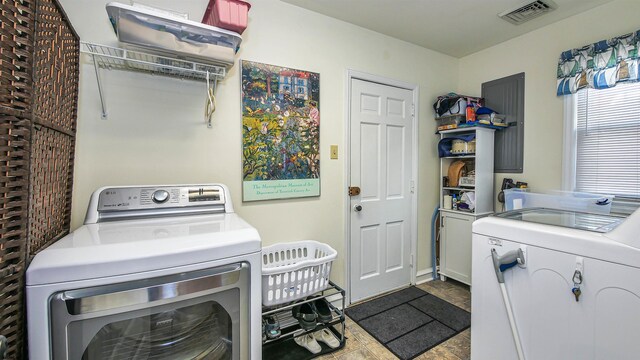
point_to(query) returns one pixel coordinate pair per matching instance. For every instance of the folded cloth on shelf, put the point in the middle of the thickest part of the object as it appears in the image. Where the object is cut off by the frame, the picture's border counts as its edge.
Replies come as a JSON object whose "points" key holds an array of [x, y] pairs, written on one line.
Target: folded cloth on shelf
{"points": [[469, 198], [484, 110]]}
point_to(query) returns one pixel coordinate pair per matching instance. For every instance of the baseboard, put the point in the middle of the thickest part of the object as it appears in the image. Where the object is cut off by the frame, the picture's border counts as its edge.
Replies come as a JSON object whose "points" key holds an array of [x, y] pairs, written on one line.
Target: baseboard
{"points": [[423, 276]]}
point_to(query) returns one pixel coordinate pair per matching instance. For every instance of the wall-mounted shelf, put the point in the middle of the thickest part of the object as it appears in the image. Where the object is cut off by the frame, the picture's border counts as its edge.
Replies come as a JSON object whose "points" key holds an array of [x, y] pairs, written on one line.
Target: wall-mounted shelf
{"points": [[475, 214], [460, 156], [114, 58]]}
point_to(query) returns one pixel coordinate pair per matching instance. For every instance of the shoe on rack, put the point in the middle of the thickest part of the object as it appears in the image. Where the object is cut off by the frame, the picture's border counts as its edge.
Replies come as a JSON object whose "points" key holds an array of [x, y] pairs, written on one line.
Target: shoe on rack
{"points": [[271, 327], [305, 315], [308, 342], [322, 310], [327, 337]]}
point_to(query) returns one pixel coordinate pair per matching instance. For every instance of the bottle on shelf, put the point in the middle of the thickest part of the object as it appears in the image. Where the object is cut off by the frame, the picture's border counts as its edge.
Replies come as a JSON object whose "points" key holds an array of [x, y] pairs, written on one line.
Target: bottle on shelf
{"points": [[454, 202], [471, 113]]}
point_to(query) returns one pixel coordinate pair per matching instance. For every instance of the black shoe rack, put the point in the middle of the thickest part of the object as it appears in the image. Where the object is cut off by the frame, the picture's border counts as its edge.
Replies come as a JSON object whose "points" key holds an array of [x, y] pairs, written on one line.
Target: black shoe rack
{"points": [[284, 346]]}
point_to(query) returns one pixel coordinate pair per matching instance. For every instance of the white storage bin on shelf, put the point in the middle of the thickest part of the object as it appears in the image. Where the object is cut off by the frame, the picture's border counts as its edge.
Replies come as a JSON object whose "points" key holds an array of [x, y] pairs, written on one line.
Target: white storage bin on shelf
{"points": [[171, 35], [561, 200], [291, 271]]}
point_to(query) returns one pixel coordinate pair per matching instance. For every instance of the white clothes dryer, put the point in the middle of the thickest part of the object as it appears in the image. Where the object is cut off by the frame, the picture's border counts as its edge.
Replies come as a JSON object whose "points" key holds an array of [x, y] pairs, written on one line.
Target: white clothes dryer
{"points": [[156, 272]]}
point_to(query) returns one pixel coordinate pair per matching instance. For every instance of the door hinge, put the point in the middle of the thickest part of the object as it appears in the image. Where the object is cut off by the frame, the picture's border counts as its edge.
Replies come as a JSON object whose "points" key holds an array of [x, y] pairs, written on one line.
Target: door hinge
{"points": [[412, 187], [411, 261], [413, 110]]}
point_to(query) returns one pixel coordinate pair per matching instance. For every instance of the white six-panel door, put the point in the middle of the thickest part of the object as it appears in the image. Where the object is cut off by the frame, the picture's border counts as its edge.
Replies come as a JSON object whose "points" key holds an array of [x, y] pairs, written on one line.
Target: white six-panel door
{"points": [[381, 132]]}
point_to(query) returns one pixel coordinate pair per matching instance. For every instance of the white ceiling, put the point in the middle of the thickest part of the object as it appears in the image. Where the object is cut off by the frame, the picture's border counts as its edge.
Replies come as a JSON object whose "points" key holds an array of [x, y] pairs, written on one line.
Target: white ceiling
{"points": [[454, 27]]}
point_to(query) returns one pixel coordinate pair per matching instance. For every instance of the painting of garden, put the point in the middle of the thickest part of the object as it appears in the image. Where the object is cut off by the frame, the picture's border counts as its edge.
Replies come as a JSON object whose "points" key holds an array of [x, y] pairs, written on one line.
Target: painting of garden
{"points": [[280, 132]]}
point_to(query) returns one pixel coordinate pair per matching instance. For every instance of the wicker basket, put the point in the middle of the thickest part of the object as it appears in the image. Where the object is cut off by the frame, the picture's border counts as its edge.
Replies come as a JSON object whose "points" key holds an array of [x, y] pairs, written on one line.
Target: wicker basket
{"points": [[292, 271]]}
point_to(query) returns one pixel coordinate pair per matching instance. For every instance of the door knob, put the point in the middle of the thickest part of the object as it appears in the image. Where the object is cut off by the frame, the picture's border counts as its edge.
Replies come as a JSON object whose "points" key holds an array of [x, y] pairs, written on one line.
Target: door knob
{"points": [[357, 207]]}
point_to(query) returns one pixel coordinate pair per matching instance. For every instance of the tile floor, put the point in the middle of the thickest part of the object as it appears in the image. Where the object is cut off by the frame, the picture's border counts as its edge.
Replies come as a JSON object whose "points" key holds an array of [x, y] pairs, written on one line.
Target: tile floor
{"points": [[361, 345]]}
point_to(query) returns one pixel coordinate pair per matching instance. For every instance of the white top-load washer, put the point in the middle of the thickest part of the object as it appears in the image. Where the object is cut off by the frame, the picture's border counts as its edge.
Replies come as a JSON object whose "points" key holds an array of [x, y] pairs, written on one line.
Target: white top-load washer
{"points": [[166, 272], [575, 293]]}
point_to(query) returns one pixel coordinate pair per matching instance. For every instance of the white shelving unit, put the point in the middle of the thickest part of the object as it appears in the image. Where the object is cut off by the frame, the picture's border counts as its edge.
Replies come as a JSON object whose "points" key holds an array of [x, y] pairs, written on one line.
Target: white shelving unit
{"points": [[114, 58], [455, 225]]}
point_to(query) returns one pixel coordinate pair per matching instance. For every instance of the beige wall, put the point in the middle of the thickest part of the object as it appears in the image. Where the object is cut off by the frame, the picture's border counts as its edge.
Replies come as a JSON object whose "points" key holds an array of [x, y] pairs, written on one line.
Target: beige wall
{"points": [[536, 55], [155, 132]]}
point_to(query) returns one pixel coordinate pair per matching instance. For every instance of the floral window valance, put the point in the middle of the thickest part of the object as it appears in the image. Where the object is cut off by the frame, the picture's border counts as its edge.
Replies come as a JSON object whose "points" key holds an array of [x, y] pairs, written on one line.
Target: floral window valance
{"points": [[600, 65]]}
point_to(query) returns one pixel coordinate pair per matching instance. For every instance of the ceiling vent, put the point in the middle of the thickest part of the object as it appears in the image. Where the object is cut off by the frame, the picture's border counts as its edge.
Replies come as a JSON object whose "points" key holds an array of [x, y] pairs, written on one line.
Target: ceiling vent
{"points": [[527, 11]]}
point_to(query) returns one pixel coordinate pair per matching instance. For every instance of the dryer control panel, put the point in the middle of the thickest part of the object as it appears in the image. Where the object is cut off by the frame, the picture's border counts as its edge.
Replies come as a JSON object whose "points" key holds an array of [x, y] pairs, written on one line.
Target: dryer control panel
{"points": [[133, 198], [160, 200]]}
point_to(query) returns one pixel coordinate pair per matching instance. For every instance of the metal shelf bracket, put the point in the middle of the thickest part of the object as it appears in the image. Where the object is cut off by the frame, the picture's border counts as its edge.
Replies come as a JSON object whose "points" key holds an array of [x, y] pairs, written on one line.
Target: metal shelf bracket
{"points": [[103, 104], [114, 58]]}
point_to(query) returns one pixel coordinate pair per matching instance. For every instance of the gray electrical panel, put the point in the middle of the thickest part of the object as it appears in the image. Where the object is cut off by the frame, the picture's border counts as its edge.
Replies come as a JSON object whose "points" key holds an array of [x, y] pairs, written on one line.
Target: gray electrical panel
{"points": [[506, 96]]}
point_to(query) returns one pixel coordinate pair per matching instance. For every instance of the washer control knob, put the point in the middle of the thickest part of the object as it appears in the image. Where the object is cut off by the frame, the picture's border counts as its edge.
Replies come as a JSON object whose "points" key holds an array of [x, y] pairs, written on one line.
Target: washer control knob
{"points": [[160, 196]]}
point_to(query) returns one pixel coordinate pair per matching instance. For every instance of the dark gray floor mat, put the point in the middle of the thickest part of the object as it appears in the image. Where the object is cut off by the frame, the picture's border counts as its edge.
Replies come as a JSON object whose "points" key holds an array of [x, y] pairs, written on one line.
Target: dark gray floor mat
{"points": [[420, 340], [446, 313], [410, 321], [381, 304], [394, 322]]}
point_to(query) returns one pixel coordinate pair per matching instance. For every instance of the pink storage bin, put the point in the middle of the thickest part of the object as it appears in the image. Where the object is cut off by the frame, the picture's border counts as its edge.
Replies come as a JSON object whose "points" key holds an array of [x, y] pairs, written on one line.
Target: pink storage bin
{"points": [[227, 14]]}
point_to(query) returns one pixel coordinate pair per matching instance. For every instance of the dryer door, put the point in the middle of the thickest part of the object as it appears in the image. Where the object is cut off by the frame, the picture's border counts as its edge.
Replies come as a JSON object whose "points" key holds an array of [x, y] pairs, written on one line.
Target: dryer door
{"points": [[198, 315]]}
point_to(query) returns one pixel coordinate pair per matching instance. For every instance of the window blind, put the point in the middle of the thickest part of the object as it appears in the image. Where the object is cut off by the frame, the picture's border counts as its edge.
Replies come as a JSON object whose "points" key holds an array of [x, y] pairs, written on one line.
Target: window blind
{"points": [[608, 141]]}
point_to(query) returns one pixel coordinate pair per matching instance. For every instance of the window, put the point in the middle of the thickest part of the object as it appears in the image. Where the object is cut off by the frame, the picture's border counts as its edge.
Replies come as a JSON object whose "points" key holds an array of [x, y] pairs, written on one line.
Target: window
{"points": [[606, 142]]}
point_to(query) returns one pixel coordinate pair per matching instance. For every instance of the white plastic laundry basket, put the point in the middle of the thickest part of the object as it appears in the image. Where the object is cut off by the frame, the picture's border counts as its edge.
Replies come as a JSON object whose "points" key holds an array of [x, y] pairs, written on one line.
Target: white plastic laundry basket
{"points": [[291, 271]]}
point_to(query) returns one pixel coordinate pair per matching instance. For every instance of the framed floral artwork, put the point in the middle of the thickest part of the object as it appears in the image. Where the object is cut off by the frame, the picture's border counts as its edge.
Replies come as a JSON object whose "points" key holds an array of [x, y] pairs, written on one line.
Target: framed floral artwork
{"points": [[280, 132]]}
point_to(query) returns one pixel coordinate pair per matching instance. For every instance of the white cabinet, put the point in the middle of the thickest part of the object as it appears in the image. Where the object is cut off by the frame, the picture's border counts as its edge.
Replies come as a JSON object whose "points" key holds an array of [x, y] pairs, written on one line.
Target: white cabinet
{"points": [[455, 225], [455, 252]]}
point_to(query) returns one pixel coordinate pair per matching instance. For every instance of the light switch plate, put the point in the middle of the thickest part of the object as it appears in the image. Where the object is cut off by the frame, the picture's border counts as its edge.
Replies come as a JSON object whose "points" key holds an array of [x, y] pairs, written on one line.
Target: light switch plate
{"points": [[334, 151]]}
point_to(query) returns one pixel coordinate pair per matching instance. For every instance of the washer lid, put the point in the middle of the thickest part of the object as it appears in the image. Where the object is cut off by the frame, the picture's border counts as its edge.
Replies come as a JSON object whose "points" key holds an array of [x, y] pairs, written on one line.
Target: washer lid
{"points": [[125, 247], [564, 236], [569, 219]]}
